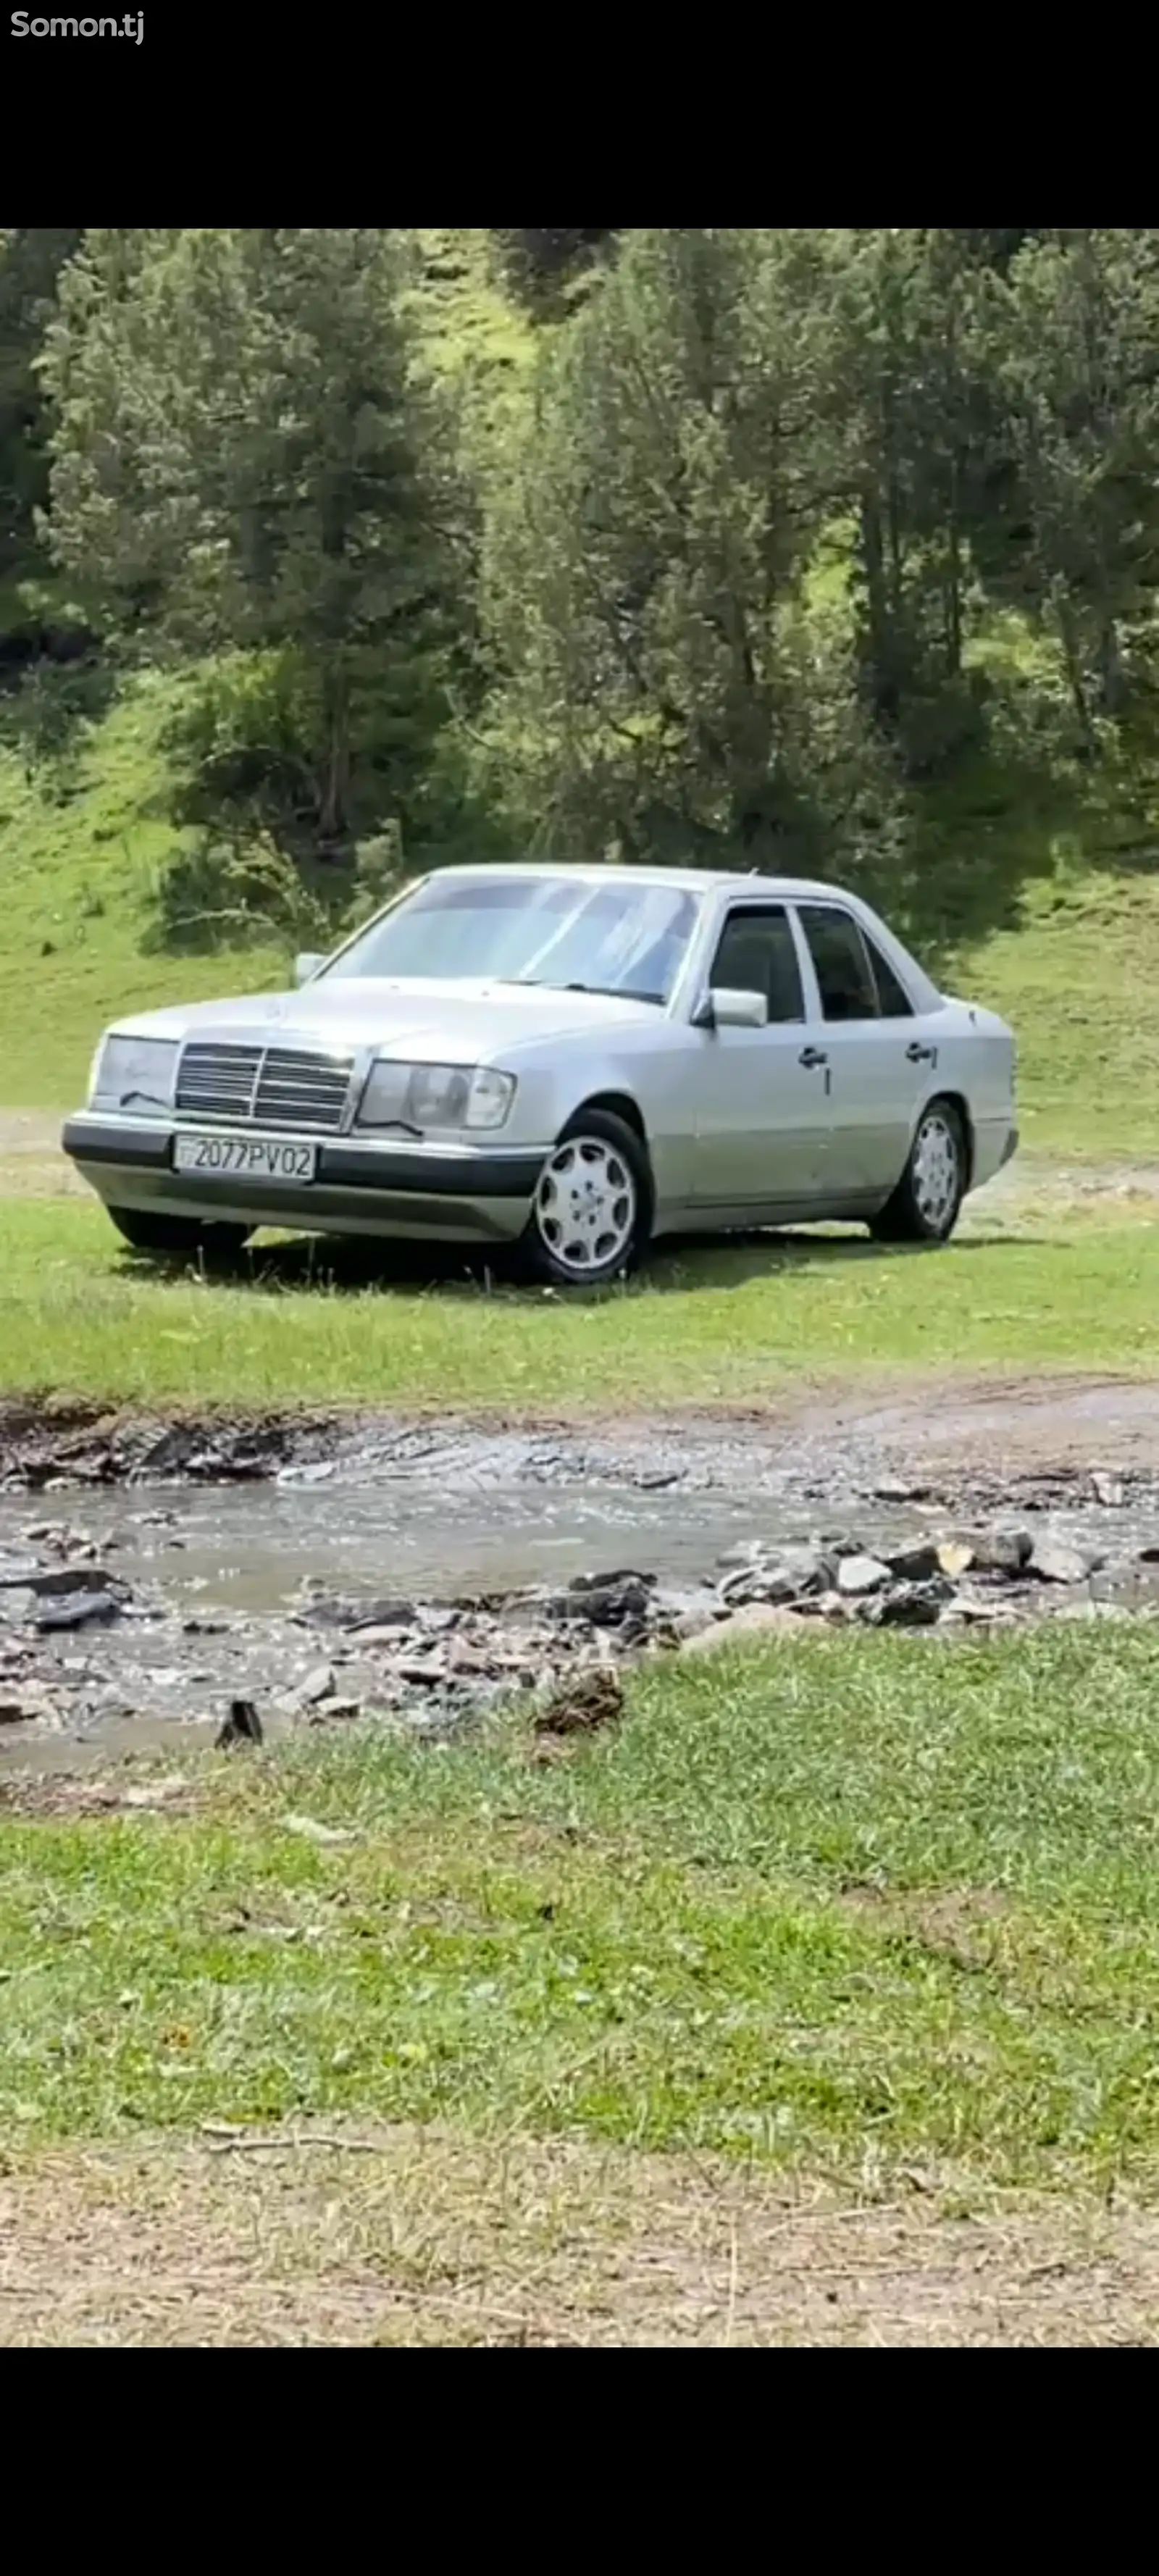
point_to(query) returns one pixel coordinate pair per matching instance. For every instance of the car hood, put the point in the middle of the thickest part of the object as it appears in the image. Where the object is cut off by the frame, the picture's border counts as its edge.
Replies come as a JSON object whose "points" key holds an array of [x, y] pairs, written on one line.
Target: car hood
{"points": [[418, 1019]]}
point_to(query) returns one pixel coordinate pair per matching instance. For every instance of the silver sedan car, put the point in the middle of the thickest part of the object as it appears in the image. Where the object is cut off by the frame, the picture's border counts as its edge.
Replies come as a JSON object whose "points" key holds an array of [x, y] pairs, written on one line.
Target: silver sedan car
{"points": [[571, 1061]]}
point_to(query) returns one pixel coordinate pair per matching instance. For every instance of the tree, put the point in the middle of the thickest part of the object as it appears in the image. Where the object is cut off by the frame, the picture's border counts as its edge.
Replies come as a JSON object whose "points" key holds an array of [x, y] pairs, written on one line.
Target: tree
{"points": [[644, 570], [30, 261], [908, 407], [1073, 337], [241, 459], [541, 267]]}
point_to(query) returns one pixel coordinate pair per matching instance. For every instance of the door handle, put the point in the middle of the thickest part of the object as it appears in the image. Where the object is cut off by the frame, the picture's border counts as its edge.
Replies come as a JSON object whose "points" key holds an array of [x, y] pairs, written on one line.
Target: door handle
{"points": [[811, 1056], [916, 1054]]}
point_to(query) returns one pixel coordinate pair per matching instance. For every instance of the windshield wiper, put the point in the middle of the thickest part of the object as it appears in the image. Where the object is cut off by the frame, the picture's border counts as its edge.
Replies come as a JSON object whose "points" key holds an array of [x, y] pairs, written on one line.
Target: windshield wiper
{"points": [[612, 992]]}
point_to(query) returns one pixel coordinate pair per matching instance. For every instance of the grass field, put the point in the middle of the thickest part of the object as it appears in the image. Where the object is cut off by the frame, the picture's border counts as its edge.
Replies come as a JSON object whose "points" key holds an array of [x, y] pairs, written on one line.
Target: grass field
{"points": [[837, 1908], [80, 1316]]}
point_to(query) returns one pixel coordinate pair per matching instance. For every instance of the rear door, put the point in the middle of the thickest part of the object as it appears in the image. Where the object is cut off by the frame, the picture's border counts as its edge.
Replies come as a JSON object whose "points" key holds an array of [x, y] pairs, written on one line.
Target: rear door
{"points": [[762, 1115], [880, 1057]]}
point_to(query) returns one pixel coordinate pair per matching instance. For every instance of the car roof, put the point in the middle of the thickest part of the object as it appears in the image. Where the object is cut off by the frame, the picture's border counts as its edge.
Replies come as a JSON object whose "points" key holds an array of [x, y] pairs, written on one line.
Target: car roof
{"points": [[682, 880]]}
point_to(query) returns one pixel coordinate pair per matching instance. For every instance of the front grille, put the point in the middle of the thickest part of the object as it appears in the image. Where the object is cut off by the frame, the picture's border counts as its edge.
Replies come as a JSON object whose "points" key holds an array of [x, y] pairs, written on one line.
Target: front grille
{"points": [[302, 1090], [218, 1081], [264, 1086]]}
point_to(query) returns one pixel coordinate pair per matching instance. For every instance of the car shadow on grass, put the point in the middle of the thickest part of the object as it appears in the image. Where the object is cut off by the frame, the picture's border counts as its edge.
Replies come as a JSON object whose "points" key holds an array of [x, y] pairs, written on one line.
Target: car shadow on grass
{"points": [[333, 1266]]}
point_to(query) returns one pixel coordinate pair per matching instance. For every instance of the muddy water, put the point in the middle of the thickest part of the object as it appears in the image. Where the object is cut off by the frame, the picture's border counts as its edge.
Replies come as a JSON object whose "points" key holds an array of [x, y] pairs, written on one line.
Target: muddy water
{"points": [[248, 1550], [219, 1576]]}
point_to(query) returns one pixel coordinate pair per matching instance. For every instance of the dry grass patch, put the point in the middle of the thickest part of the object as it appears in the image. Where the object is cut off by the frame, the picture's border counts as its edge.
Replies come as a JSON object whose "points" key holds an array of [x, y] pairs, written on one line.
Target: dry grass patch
{"points": [[352, 2235]]}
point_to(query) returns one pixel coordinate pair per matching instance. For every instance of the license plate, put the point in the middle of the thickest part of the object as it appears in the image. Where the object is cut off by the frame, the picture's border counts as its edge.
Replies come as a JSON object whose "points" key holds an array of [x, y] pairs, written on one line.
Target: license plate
{"points": [[254, 1158]]}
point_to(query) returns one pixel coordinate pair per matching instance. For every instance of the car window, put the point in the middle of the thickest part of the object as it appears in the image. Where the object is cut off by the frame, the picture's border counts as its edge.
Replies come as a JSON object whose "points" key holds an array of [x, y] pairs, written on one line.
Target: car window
{"points": [[844, 974], [757, 954], [574, 934], [893, 999]]}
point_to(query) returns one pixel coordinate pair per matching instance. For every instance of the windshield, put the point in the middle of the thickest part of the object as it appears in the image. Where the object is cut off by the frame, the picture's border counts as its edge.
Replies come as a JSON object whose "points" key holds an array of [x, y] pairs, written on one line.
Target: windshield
{"points": [[555, 931]]}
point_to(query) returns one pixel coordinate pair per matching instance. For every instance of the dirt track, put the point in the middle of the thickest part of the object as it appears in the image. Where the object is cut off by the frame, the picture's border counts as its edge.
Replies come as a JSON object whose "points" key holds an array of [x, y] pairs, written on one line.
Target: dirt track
{"points": [[837, 1440], [364, 2236]]}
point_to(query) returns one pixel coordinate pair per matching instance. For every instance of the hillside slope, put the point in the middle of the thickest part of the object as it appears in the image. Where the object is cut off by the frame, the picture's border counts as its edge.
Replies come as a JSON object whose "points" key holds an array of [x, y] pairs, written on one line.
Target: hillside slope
{"points": [[81, 854], [81, 857]]}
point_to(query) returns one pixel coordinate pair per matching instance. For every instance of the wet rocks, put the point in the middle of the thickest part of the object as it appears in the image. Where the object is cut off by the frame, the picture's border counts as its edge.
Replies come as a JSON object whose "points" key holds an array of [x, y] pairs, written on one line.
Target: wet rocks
{"points": [[61, 1597], [242, 1725], [333, 1656], [58, 1580], [791, 1574], [26, 1704], [77, 1610], [603, 1600], [1052, 1562], [916, 1564], [61, 1447], [760, 1619], [17, 1605], [322, 1610], [1003, 1551], [858, 1575], [59, 1536], [899, 1489], [319, 1684], [910, 1605]]}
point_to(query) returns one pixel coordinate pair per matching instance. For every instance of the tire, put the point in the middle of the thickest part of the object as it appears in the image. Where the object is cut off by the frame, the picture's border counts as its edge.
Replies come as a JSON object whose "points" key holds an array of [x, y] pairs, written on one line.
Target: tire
{"points": [[173, 1238], [927, 1201], [592, 1212]]}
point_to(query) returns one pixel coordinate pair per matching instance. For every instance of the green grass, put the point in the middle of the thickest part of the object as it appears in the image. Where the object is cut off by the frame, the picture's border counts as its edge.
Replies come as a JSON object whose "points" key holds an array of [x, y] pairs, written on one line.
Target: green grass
{"points": [[846, 1905], [83, 844], [1077, 980], [80, 1316]]}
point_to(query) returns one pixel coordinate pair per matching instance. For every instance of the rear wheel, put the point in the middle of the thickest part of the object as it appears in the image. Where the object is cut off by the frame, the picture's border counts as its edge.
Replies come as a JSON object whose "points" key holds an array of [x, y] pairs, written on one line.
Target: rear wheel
{"points": [[172, 1238], [591, 1215], [926, 1203]]}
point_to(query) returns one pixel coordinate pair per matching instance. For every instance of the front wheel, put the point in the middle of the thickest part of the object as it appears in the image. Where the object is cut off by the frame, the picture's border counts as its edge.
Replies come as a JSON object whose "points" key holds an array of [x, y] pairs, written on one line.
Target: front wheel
{"points": [[926, 1203], [591, 1215], [175, 1238]]}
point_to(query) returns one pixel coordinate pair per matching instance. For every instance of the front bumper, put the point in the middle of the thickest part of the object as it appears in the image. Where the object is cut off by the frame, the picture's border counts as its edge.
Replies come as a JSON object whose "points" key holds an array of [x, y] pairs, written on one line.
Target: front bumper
{"points": [[470, 1193]]}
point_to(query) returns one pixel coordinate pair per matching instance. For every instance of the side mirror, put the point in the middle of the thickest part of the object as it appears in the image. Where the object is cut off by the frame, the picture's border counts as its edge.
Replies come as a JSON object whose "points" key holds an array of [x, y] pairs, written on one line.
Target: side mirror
{"points": [[307, 965], [729, 1009]]}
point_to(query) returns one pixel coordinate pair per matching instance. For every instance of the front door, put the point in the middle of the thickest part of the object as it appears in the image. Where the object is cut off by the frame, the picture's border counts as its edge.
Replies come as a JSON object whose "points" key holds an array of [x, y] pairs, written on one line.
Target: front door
{"points": [[762, 1111], [880, 1064]]}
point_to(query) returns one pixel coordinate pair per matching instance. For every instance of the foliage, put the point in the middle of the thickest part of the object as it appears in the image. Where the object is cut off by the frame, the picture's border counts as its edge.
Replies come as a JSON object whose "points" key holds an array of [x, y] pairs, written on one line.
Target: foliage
{"points": [[767, 545], [643, 571], [1072, 336], [241, 460], [544, 269], [30, 264]]}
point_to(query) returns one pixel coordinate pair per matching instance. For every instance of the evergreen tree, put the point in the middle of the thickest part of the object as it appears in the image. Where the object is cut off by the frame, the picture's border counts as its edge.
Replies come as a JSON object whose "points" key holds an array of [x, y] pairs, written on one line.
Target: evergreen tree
{"points": [[240, 459], [645, 567]]}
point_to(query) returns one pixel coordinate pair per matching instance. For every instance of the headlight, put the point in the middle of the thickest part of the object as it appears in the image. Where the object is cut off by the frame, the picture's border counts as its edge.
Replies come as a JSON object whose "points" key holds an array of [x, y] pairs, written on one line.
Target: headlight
{"points": [[135, 1073], [435, 1095]]}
